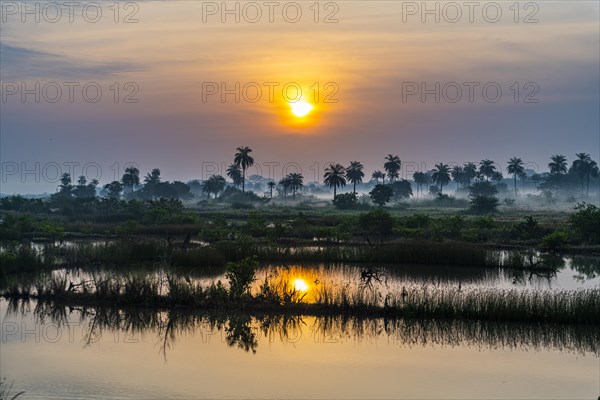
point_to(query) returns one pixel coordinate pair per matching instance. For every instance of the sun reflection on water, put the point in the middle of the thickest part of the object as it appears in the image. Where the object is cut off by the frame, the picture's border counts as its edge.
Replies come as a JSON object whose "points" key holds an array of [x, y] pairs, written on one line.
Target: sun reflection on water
{"points": [[300, 285]]}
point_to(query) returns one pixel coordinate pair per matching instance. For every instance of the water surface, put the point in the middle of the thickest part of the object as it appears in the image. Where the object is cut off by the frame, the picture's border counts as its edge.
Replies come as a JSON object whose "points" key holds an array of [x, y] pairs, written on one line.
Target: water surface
{"points": [[98, 353]]}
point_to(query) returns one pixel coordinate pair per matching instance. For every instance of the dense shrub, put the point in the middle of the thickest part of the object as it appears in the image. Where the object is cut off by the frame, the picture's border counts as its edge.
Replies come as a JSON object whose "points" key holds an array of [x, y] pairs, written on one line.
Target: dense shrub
{"points": [[381, 194], [345, 201], [555, 241], [586, 222], [241, 275], [168, 211], [376, 224], [482, 204]]}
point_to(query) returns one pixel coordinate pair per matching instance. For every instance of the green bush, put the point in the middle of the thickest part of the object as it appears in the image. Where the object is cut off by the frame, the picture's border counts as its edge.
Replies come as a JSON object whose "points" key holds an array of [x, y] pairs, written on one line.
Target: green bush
{"points": [[376, 224], [345, 201], [527, 229], [555, 241], [483, 204], [51, 230], [402, 189], [14, 226], [586, 222], [416, 220], [444, 200], [381, 194], [240, 276], [168, 211]]}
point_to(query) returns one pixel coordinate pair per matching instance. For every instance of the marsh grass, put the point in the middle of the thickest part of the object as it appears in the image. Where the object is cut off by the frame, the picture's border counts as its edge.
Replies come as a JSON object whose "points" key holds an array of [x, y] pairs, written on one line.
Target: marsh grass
{"points": [[17, 258], [164, 290], [6, 390], [279, 291]]}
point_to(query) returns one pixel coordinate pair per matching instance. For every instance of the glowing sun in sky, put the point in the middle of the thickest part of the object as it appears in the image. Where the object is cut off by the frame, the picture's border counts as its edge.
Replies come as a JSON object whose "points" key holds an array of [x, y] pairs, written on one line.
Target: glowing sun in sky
{"points": [[300, 285], [301, 108]]}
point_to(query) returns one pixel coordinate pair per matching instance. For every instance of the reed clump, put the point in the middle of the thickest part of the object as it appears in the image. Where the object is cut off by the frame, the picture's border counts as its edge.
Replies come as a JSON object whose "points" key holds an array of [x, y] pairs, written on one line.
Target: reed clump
{"points": [[413, 301], [18, 258]]}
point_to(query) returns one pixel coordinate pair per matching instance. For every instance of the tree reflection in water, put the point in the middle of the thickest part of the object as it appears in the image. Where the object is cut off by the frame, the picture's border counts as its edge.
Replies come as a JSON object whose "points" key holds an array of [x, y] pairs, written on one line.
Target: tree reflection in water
{"points": [[244, 331]]}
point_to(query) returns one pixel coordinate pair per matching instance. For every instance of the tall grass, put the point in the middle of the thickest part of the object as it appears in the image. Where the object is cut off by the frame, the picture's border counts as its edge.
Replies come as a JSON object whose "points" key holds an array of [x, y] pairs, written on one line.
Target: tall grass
{"points": [[17, 258], [6, 391], [414, 301]]}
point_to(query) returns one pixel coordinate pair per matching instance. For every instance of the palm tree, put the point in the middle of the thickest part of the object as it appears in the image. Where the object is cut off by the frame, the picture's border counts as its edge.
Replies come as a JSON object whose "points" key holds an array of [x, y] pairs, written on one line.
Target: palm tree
{"points": [[497, 177], [334, 177], [441, 175], [114, 190], [469, 172], [153, 177], [585, 167], [558, 166], [486, 169], [523, 178], [65, 186], [244, 160], [285, 184], [354, 174], [295, 182], [131, 178], [271, 185], [218, 183], [595, 173], [392, 166], [235, 173], [420, 179], [516, 168], [206, 188], [457, 174], [214, 184], [378, 175]]}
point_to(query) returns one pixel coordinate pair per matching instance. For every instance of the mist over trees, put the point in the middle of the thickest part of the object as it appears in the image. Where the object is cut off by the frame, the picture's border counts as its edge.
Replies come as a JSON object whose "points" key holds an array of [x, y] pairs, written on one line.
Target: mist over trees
{"points": [[476, 186]]}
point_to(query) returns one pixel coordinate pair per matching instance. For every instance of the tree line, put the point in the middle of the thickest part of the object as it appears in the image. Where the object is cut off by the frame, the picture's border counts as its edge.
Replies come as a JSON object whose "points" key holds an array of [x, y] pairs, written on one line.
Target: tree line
{"points": [[482, 180], [336, 176]]}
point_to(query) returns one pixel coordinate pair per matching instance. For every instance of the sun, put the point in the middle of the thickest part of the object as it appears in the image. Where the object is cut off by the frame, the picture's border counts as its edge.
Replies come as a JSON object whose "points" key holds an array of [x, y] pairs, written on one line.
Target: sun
{"points": [[300, 285], [301, 108]]}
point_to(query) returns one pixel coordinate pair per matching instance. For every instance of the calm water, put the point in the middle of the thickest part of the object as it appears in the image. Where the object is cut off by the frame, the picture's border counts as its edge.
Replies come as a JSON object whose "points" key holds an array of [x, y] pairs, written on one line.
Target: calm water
{"points": [[103, 353], [572, 272], [94, 353]]}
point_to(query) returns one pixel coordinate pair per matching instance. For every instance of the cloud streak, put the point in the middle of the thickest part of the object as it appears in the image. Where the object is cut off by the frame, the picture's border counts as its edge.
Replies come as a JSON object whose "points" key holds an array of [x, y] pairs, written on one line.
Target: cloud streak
{"points": [[21, 63]]}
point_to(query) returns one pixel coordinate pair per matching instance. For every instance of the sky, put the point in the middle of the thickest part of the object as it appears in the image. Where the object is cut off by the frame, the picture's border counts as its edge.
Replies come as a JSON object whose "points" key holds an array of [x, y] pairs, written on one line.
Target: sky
{"points": [[179, 85]]}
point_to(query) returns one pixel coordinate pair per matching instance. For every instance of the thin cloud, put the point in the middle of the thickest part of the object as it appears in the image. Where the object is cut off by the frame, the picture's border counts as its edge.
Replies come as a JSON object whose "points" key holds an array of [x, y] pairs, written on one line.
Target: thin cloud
{"points": [[22, 63]]}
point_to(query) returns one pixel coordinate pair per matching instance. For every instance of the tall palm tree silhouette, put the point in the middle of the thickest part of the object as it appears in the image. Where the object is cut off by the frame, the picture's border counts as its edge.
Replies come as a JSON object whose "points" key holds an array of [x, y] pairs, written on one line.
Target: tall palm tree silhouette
{"points": [[285, 184], [420, 179], [235, 173], [354, 174], [585, 167], [469, 172], [334, 177], [558, 167], [271, 185], [457, 175], [214, 184], [377, 175], [244, 160], [392, 166], [295, 182], [131, 178], [486, 169], [441, 175], [516, 168]]}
